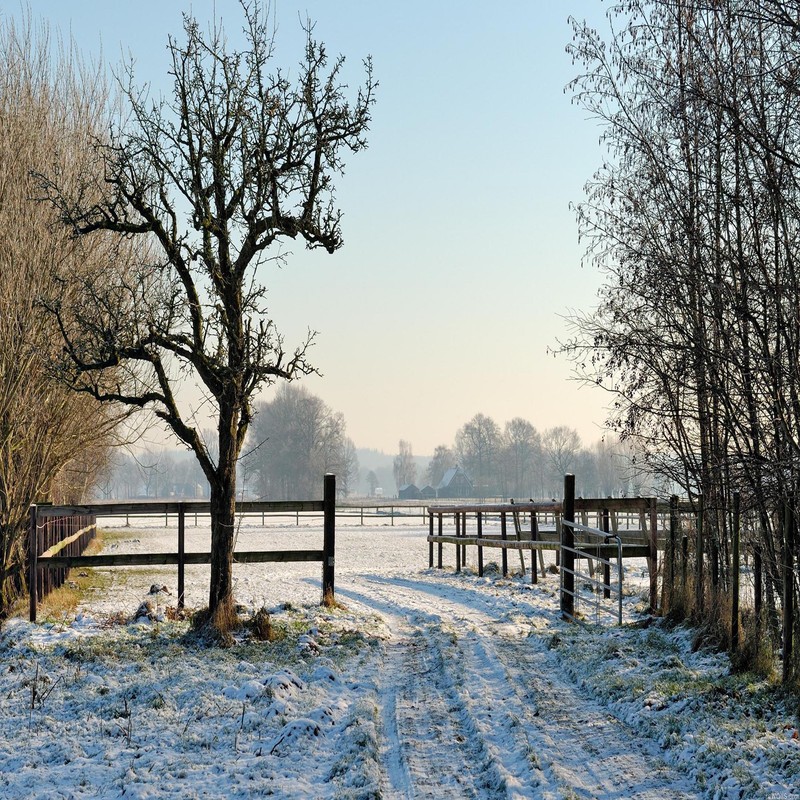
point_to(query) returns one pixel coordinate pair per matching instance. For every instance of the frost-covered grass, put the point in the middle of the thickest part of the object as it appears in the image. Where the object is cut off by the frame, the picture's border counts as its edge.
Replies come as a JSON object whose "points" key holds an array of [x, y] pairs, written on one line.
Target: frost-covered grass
{"points": [[145, 710], [148, 711], [736, 735]]}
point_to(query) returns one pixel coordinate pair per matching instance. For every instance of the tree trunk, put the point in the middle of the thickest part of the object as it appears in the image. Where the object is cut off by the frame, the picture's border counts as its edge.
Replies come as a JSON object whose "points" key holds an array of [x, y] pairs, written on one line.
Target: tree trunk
{"points": [[223, 518]]}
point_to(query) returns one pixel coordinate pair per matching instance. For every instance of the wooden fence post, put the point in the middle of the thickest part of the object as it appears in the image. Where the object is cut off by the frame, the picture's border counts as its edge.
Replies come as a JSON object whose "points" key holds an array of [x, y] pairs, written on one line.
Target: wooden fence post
{"points": [[33, 557], [464, 534], [673, 543], [440, 545], [504, 537], [567, 547], [430, 544], [652, 559], [181, 552], [457, 517], [480, 547], [329, 539], [607, 565], [735, 576]]}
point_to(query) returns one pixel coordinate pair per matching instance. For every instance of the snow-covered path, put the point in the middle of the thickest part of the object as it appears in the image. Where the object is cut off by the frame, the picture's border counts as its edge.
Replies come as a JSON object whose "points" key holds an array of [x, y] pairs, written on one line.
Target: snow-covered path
{"points": [[473, 705]]}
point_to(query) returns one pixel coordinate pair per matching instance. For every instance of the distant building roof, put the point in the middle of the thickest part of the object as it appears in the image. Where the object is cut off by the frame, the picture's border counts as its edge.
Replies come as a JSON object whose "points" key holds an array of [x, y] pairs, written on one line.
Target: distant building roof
{"points": [[450, 476]]}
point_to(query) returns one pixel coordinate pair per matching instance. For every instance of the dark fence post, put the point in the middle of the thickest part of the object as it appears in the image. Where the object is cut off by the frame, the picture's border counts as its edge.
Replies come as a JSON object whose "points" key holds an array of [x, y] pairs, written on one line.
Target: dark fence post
{"points": [[464, 534], [735, 573], [329, 539], [430, 544], [480, 547], [673, 542], [33, 557], [652, 559], [567, 548], [457, 517], [440, 545], [181, 552], [607, 565], [504, 537]]}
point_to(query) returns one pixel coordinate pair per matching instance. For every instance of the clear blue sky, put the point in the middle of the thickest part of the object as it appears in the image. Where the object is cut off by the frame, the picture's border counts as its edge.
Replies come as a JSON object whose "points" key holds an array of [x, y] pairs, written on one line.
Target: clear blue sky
{"points": [[461, 252]]}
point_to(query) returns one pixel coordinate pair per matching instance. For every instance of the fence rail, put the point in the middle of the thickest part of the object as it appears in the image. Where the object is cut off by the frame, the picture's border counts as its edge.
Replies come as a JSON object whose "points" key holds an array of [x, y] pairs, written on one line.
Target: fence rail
{"points": [[529, 534], [600, 551], [41, 562], [59, 538]]}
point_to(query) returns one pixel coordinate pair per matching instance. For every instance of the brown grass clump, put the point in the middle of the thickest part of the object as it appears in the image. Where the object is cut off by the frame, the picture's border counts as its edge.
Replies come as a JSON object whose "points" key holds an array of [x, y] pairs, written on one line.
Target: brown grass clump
{"points": [[755, 653], [261, 626], [216, 629], [714, 626], [329, 601]]}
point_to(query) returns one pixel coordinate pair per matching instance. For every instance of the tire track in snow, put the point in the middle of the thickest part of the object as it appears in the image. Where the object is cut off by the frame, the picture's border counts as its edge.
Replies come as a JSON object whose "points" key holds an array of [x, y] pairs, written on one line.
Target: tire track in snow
{"points": [[432, 745], [455, 669]]}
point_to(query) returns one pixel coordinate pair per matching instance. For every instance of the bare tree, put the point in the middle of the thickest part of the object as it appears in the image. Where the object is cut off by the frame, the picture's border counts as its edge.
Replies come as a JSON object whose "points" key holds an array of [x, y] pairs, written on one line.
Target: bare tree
{"points": [[478, 448], [404, 467], [53, 443], [294, 440], [522, 457], [212, 179], [442, 460], [560, 448]]}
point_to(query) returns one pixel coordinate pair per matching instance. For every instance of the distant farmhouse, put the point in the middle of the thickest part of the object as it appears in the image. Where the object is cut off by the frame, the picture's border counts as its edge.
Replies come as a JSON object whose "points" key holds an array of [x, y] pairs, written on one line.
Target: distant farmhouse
{"points": [[455, 483], [409, 492]]}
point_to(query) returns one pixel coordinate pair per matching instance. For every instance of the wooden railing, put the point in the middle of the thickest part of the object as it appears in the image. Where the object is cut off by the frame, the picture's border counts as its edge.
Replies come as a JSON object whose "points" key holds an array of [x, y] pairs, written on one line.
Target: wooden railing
{"points": [[42, 563], [528, 534], [54, 536]]}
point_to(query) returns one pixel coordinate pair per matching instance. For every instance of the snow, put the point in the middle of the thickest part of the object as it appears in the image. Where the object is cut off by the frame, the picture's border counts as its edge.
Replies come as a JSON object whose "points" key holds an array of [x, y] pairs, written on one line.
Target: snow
{"points": [[424, 683]]}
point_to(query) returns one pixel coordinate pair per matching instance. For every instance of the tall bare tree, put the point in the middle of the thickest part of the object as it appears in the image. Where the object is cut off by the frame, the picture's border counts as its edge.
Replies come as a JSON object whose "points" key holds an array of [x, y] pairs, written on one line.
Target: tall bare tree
{"points": [[212, 179], [442, 460], [478, 447], [522, 457], [294, 440], [693, 219], [404, 467], [53, 443]]}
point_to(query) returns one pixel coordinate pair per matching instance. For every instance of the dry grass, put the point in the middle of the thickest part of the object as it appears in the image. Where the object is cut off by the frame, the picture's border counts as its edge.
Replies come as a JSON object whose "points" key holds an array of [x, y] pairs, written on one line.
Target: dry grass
{"points": [[755, 653], [62, 603], [217, 628], [261, 626], [329, 601]]}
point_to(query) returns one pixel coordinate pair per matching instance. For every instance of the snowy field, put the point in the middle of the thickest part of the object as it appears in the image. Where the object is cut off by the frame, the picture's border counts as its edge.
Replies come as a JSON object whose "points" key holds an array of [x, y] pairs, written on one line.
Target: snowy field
{"points": [[423, 684]]}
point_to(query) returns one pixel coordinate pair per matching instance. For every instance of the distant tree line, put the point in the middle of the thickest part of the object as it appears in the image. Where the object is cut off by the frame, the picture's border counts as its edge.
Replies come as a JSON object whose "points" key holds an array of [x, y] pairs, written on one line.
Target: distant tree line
{"points": [[519, 461], [296, 438]]}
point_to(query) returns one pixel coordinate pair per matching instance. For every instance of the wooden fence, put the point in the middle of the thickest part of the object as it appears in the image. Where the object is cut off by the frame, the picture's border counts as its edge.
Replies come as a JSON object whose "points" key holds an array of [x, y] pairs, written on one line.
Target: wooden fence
{"points": [[41, 563], [531, 521], [54, 536]]}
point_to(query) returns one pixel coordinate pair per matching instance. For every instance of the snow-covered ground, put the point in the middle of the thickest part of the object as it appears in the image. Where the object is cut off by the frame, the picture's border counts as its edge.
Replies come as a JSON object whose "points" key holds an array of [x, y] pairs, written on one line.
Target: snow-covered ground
{"points": [[424, 684]]}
